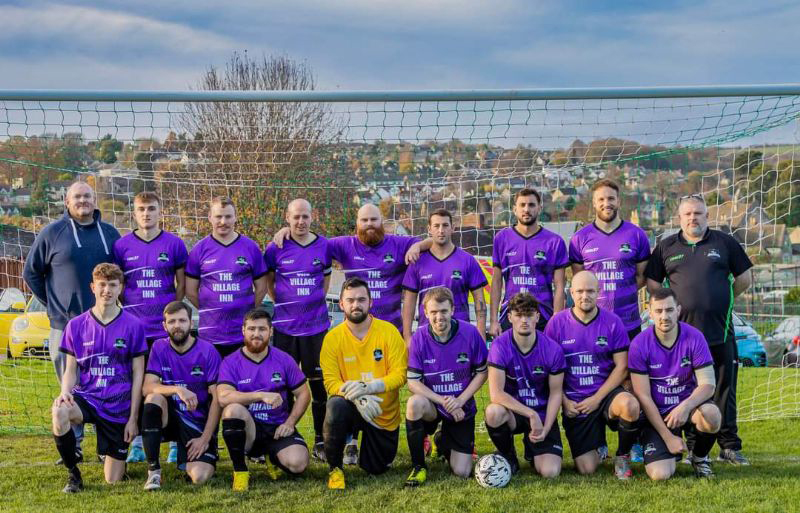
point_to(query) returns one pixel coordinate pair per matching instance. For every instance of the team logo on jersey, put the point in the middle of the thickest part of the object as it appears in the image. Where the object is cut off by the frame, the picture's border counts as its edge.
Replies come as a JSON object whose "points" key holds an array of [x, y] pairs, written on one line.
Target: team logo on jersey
{"points": [[462, 358], [241, 260], [540, 255], [713, 254], [675, 257], [625, 247], [388, 259], [538, 369], [119, 343], [378, 355], [456, 275], [163, 257], [316, 261], [685, 361], [276, 377], [650, 449], [602, 341], [197, 371]]}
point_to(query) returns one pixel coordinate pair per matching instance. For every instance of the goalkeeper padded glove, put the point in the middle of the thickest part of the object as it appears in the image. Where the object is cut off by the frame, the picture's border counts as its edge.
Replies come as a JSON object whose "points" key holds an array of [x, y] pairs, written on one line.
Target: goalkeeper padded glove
{"points": [[369, 407]]}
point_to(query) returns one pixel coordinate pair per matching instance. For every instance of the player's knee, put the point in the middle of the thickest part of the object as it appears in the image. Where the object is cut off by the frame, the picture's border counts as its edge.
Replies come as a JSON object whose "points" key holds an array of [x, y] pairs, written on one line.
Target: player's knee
{"points": [[712, 419], [415, 407], [549, 470], [586, 466], [234, 411], [463, 470], [60, 418], [156, 399], [659, 472], [630, 407], [495, 415], [200, 475], [296, 464], [335, 408]]}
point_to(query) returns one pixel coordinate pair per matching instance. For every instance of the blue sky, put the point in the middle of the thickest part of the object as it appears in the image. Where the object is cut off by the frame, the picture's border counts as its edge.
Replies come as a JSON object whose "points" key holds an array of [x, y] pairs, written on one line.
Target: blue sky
{"points": [[410, 44]]}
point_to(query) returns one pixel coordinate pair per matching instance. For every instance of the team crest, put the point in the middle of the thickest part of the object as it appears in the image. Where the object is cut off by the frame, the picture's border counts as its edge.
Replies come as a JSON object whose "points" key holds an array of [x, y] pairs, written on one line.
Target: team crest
{"points": [[388, 259], [316, 261], [378, 355], [540, 255], [163, 257], [602, 341], [119, 343], [462, 358], [456, 275], [625, 248], [276, 377], [685, 362], [197, 371], [538, 369], [241, 260], [650, 449], [713, 254]]}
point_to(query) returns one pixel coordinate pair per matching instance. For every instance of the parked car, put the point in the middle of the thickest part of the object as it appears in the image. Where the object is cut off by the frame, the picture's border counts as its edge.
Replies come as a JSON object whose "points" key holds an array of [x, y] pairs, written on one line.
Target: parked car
{"points": [[748, 341], [335, 313], [30, 332], [12, 305], [783, 344]]}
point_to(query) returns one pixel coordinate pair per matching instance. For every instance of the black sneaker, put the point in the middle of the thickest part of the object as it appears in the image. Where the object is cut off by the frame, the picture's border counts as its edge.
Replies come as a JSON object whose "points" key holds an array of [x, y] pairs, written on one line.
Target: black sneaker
{"points": [[74, 483], [513, 462], [733, 456], [78, 457], [702, 468]]}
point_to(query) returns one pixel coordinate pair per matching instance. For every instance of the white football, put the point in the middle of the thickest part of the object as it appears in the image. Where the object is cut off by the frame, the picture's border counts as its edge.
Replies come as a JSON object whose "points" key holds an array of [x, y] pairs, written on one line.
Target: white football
{"points": [[493, 471]]}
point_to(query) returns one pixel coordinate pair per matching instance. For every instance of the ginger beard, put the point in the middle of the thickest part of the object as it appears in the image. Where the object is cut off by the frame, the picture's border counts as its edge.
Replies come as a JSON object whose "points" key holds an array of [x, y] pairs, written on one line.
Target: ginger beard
{"points": [[371, 236], [255, 343]]}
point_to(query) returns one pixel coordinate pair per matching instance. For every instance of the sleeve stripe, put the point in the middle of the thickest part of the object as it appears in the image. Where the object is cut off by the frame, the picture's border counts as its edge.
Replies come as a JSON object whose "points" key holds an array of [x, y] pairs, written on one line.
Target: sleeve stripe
{"points": [[190, 275], [621, 349], [255, 277], [405, 287], [302, 382], [65, 350], [154, 373], [709, 364], [230, 383], [635, 371], [496, 366], [556, 372]]}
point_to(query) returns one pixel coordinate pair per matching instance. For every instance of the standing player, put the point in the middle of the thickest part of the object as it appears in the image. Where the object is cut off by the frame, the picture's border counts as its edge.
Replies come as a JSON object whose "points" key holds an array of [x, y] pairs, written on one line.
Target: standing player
{"points": [[364, 364], [526, 373], [225, 277], [616, 251], [180, 399], [445, 265], [595, 347], [673, 378], [298, 277], [254, 387], [102, 383], [152, 261], [527, 258], [446, 367]]}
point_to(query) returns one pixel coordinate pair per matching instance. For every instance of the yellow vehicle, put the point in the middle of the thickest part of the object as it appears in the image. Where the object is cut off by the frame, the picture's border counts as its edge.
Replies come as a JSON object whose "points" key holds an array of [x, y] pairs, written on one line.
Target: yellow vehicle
{"points": [[30, 332], [12, 305]]}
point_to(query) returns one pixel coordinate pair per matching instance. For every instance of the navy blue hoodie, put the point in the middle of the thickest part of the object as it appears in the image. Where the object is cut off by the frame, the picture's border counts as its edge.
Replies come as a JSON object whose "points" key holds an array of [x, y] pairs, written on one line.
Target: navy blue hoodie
{"points": [[59, 266]]}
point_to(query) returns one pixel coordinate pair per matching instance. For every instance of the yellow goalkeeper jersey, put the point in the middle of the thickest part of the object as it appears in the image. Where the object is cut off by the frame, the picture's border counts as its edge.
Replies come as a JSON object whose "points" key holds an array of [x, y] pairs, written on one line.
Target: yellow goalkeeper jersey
{"points": [[381, 355]]}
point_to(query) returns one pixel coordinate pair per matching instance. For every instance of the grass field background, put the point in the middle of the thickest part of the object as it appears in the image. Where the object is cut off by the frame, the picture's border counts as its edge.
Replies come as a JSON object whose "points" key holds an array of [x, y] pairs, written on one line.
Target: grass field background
{"points": [[30, 482]]}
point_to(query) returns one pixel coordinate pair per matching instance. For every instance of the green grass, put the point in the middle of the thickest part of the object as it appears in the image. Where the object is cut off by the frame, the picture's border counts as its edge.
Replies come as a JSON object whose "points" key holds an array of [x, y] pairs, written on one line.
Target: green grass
{"points": [[30, 482]]}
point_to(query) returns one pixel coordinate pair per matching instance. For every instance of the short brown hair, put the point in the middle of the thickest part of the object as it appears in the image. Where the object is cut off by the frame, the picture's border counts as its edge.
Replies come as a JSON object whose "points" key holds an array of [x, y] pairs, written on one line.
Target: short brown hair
{"points": [[663, 293], [174, 307], [441, 212], [223, 201], [523, 304], [147, 197], [354, 283], [605, 182], [527, 191], [108, 272], [255, 314], [438, 294]]}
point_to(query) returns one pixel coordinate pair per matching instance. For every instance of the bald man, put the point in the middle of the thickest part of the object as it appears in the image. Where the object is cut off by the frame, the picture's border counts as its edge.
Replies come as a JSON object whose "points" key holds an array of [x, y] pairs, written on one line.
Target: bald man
{"points": [[298, 275], [595, 344]]}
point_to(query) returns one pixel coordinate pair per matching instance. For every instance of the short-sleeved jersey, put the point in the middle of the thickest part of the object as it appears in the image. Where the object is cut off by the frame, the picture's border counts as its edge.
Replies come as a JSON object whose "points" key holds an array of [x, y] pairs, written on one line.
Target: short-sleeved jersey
{"points": [[459, 272], [195, 369], [527, 374], [276, 373], [613, 257], [589, 349], [105, 353], [702, 277], [670, 369], [528, 265], [300, 307], [447, 368], [226, 274], [149, 268], [382, 267]]}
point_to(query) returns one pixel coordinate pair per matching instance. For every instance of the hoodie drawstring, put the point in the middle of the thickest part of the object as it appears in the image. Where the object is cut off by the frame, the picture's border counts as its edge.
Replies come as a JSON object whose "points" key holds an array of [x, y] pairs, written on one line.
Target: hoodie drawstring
{"points": [[102, 237], [77, 240]]}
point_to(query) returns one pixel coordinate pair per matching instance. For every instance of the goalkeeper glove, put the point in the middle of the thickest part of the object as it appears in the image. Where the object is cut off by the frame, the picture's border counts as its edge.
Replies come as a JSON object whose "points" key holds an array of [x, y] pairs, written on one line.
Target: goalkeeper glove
{"points": [[352, 390], [369, 407]]}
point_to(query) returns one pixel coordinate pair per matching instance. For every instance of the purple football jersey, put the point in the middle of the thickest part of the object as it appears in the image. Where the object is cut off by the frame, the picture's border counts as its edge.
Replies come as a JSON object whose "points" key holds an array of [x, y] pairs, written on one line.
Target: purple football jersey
{"points": [[527, 373], [459, 272], [528, 265], [196, 369], [612, 257], [588, 349], [277, 373], [382, 267], [300, 307], [105, 354], [671, 370], [448, 367], [226, 274], [149, 269]]}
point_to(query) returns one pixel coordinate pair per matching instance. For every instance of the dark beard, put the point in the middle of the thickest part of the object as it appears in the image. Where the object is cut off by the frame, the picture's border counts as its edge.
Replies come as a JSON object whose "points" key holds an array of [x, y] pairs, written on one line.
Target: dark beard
{"points": [[357, 317], [255, 346], [602, 213], [179, 342], [371, 236], [528, 223]]}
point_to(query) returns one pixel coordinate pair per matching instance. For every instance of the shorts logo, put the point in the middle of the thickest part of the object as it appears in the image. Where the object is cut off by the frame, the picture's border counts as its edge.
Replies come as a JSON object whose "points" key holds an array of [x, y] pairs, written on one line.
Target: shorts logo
{"points": [[540, 255], [316, 261], [650, 449], [538, 369], [378, 355], [685, 361], [713, 254], [625, 248], [602, 341], [241, 260], [276, 377], [675, 257], [456, 275], [197, 371], [462, 358], [163, 257], [388, 259], [120, 343]]}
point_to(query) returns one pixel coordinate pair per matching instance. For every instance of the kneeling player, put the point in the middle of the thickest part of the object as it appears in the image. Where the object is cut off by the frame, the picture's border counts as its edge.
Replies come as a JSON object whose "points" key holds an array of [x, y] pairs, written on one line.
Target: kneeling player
{"points": [[180, 399], [446, 366], [595, 346], [672, 375], [526, 374], [102, 383], [364, 365], [254, 383]]}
